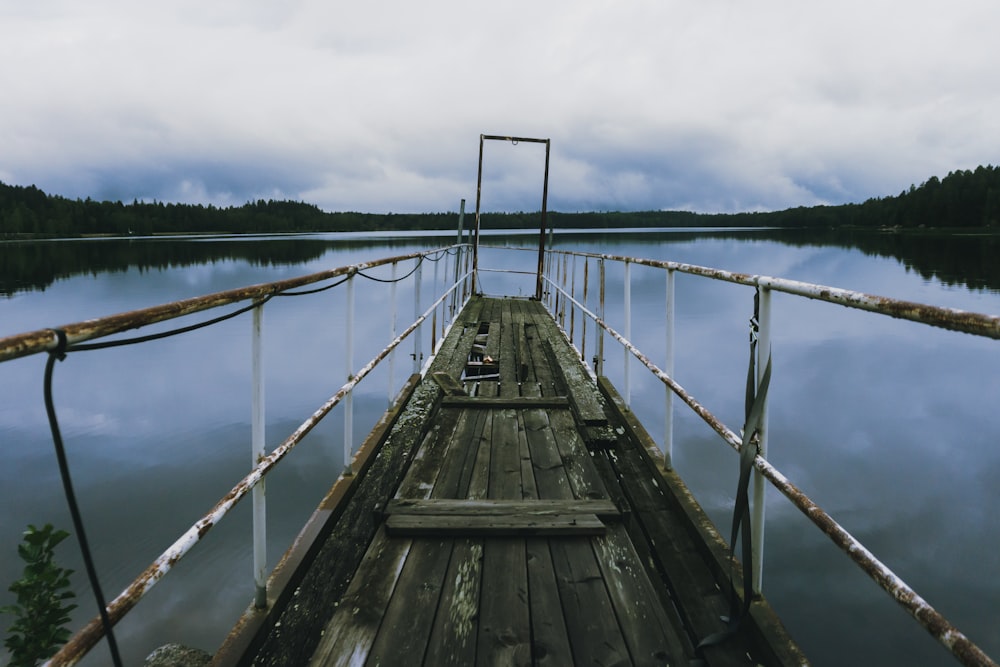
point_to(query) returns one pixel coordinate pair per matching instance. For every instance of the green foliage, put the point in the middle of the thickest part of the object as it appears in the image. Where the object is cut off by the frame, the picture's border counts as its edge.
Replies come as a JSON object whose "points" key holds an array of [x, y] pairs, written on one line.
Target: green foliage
{"points": [[42, 609]]}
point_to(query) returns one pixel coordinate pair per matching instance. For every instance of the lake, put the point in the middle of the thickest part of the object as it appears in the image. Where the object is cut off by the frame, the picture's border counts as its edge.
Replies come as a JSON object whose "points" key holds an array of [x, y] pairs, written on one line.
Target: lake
{"points": [[890, 426]]}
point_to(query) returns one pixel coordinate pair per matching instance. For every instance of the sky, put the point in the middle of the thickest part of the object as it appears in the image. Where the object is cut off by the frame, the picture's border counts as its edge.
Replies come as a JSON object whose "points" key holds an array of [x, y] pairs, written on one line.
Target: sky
{"points": [[378, 106]]}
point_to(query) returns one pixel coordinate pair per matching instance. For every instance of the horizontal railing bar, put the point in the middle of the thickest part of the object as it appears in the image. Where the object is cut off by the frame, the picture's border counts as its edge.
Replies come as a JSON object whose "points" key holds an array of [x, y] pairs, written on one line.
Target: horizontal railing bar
{"points": [[33, 342], [87, 638], [932, 621], [953, 319]]}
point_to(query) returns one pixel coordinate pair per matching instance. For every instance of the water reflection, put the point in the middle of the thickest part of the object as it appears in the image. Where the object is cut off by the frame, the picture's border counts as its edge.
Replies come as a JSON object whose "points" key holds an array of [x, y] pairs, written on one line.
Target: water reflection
{"points": [[967, 260], [890, 426]]}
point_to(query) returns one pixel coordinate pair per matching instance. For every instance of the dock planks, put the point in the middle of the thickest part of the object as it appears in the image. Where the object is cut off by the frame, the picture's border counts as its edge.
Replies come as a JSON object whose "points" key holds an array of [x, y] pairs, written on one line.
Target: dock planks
{"points": [[526, 530]]}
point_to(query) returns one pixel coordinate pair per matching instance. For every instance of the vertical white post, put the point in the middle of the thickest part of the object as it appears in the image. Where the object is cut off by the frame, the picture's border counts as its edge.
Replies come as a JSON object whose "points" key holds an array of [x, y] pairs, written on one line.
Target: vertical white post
{"points": [[257, 452], [434, 315], [417, 343], [628, 331], [572, 304], [668, 416], [599, 366], [458, 257], [763, 357], [586, 304], [393, 316], [349, 366]]}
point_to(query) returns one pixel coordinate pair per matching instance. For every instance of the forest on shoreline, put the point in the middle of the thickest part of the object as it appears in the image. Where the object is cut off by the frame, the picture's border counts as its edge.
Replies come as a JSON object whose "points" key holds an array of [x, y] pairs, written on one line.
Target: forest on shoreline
{"points": [[960, 200]]}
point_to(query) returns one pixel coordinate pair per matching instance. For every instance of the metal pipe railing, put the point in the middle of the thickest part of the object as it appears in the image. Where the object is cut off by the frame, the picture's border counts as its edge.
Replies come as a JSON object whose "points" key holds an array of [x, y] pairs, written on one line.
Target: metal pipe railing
{"points": [[43, 340], [975, 323], [946, 318], [253, 483]]}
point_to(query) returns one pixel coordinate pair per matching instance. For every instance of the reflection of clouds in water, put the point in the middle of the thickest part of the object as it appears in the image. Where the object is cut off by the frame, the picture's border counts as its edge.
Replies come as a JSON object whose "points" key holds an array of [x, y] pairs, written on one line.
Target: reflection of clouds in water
{"points": [[889, 425]]}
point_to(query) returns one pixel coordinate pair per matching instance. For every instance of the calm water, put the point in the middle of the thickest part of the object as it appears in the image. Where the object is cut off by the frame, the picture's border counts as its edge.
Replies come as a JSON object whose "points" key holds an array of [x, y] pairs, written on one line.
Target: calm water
{"points": [[890, 426]]}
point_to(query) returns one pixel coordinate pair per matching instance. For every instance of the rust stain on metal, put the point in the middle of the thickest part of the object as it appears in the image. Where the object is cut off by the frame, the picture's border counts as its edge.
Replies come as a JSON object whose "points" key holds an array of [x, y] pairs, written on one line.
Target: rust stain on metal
{"points": [[33, 342]]}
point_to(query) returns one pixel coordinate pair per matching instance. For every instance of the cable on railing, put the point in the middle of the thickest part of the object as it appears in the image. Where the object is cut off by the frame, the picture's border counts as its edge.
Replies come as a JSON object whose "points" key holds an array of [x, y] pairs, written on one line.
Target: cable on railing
{"points": [[754, 401], [59, 354], [127, 599]]}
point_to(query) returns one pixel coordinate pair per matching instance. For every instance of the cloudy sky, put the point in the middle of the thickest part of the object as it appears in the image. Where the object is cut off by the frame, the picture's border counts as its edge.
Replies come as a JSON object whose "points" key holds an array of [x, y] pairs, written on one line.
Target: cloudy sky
{"points": [[705, 105]]}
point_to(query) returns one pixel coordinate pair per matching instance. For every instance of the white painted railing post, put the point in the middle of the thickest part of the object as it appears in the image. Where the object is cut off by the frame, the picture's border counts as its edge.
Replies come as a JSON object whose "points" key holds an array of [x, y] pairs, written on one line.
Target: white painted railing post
{"points": [[763, 357], [599, 363], [257, 436], [349, 366], [394, 316], [572, 305], [417, 343], [583, 317], [434, 315], [668, 414], [628, 330]]}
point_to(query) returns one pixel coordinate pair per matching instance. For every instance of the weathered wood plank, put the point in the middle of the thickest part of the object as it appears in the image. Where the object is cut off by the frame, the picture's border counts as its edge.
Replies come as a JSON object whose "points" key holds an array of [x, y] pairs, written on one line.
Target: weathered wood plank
{"points": [[294, 639], [522, 352], [584, 480], [514, 402], [604, 509], [552, 644], [685, 544], [567, 370], [455, 635], [505, 468], [454, 479], [453, 638], [507, 360], [504, 616], [449, 385], [547, 464], [648, 632], [351, 631], [406, 624], [493, 525], [455, 350], [590, 618]]}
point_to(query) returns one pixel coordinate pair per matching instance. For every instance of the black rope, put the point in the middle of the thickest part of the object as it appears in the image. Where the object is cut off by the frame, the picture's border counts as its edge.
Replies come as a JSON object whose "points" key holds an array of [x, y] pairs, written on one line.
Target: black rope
{"points": [[395, 280], [58, 355], [315, 291], [749, 448], [86, 347]]}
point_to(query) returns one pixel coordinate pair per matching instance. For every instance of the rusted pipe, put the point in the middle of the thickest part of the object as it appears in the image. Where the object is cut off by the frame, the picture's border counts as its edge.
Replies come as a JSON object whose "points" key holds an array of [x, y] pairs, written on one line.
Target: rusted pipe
{"points": [[937, 625], [33, 342], [946, 318], [87, 638]]}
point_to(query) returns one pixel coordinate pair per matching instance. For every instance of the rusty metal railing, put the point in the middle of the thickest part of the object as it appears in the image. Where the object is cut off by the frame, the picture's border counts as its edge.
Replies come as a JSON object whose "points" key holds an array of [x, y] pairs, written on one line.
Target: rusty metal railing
{"points": [[560, 275], [440, 313]]}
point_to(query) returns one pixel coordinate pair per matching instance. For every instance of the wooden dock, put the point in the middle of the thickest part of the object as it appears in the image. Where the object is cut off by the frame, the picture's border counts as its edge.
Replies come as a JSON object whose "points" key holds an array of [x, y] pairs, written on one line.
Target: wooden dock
{"points": [[508, 511]]}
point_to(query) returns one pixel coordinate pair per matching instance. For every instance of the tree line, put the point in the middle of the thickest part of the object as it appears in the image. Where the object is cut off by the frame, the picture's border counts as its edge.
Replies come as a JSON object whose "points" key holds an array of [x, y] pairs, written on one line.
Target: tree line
{"points": [[962, 199]]}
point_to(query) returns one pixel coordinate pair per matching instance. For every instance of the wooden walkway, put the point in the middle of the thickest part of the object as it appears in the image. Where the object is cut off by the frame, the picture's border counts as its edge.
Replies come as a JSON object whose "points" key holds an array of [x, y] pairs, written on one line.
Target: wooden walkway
{"points": [[512, 514]]}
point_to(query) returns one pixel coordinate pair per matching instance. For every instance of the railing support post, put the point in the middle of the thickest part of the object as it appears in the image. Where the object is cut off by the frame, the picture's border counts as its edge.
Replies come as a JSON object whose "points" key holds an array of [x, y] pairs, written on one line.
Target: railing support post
{"points": [[628, 331], [257, 454], [668, 412], [599, 359], [572, 306], [583, 317], [417, 343], [458, 257], [349, 366], [763, 357], [393, 316]]}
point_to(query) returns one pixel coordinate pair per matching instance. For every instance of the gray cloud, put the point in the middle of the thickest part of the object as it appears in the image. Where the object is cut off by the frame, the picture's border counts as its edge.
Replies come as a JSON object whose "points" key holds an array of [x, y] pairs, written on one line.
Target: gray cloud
{"points": [[714, 106]]}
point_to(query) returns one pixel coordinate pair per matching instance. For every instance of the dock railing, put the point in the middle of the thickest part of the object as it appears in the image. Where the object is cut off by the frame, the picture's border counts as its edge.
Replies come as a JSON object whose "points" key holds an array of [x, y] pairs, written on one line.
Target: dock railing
{"points": [[451, 287], [567, 298]]}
